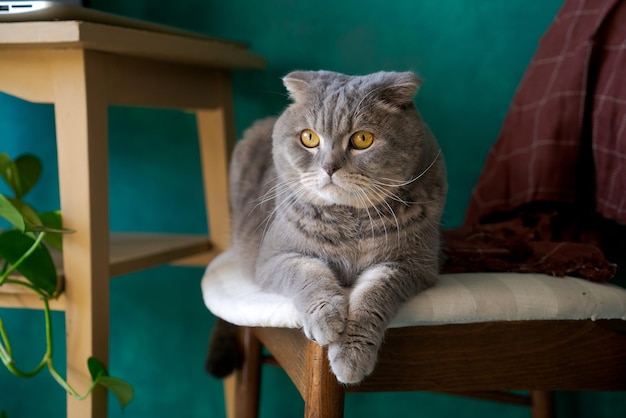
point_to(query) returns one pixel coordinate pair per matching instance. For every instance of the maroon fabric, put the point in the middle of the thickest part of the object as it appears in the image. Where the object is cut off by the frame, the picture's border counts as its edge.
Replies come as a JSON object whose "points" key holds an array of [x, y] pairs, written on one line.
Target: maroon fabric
{"points": [[564, 137], [525, 244]]}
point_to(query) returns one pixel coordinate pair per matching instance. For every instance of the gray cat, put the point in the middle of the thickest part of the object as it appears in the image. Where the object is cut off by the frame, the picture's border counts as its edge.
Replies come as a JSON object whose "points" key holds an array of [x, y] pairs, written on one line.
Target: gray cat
{"points": [[337, 205]]}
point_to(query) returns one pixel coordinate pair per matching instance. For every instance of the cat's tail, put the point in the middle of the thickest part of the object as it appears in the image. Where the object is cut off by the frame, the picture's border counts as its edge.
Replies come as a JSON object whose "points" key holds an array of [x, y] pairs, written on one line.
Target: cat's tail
{"points": [[224, 355]]}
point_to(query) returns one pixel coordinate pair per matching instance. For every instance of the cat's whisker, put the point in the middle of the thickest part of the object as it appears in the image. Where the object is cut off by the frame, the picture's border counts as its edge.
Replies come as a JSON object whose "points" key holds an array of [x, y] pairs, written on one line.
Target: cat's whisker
{"points": [[278, 93], [400, 183], [284, 204], [274, 193], [397, 198], [360, 194], [271, 195], [386, 204], [274, 190], [380, 215], [396, 183], [390, 195], [271, 180]]}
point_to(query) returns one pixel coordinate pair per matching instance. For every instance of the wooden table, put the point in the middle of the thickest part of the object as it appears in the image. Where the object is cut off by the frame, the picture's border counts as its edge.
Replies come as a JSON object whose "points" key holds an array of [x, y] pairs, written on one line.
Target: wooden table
{"points": [[82, 68]]}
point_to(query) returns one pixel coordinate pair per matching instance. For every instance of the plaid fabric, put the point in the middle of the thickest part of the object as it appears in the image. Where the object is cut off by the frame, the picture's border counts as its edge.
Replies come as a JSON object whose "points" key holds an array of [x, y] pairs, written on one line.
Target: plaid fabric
{"points": [[564, 136]]}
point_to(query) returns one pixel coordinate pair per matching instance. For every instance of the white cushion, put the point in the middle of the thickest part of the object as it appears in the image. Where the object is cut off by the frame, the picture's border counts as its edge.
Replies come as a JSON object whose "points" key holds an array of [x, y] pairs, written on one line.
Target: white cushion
{"points": [[456, 298]]}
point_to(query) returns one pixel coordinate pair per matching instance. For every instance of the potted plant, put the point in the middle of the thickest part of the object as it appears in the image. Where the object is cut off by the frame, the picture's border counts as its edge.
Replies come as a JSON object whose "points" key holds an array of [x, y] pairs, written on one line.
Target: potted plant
{"points": [[24, 250]]}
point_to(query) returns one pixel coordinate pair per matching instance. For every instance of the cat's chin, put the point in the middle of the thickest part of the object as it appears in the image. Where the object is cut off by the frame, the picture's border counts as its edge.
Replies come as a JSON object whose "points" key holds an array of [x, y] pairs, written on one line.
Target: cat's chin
{"points": [[331, 195]]}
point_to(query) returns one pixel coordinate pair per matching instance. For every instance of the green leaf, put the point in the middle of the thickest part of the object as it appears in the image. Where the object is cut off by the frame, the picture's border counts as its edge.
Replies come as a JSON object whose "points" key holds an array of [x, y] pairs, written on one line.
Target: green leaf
{"points": [[29, 169], [11, 213], [53, 225], [22, 174], [8, 171], [38, 268], [4, 414], [28, 213], [122, 390], [7, 167], [96, 368]]}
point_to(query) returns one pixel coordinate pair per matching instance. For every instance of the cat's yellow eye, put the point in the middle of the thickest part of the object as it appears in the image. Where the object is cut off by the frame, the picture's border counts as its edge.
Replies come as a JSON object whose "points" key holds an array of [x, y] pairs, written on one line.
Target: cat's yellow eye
{"points": [[309, 138], [362, 139]]}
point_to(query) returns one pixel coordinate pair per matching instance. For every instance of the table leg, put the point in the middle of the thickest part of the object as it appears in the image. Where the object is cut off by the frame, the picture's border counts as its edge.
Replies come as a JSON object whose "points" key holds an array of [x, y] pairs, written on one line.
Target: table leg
{"points": [[217, 138], [216, 134], [81, 128]]}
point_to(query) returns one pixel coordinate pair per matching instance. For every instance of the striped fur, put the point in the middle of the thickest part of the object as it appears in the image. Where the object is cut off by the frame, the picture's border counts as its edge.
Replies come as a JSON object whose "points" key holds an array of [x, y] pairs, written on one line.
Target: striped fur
{"points": [[350, 247]]}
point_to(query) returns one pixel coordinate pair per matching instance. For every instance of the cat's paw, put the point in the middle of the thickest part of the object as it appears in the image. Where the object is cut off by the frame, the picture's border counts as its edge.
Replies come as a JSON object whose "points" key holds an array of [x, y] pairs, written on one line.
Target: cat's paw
{"points": [[326, 320], [351, 362]]}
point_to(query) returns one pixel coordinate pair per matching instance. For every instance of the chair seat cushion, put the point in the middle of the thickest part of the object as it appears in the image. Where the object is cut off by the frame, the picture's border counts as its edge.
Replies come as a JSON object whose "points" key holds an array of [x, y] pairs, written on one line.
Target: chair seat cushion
{"points": [[456, 298]]}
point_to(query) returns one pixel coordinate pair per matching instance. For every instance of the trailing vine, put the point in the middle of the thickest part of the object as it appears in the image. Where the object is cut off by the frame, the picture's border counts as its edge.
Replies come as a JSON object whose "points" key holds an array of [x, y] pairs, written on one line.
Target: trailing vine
{"points": [[26, 262]]}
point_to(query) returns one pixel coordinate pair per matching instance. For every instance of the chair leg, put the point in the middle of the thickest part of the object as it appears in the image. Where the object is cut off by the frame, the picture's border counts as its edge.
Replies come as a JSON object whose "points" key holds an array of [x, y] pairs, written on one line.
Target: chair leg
{"points": [[249, 376], [230, 393], [542, 405], [324, 396]]}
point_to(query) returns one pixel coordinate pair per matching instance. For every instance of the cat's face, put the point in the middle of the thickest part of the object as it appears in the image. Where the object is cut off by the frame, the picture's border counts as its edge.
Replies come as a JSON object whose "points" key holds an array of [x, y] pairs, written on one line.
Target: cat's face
{"points": [[348, 140]]}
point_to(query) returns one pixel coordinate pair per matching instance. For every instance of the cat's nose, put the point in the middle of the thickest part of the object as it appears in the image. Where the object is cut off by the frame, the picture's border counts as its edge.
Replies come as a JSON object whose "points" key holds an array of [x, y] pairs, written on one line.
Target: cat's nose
{"points": [[330, 169]]}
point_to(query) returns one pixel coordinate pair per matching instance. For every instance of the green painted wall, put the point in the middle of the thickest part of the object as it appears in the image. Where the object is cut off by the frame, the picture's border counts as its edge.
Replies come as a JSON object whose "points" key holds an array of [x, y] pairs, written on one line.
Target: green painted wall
{"points": [[471, 54]]}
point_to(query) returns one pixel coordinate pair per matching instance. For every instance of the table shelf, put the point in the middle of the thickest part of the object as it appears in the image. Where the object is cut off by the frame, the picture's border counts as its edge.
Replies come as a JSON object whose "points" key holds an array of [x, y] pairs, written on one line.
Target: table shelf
{"points": [[129, 252]]}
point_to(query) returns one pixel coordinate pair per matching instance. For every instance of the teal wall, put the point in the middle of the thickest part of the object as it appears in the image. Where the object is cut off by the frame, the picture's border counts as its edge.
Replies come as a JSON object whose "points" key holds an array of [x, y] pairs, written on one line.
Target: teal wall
{"points": [[471, 54]]}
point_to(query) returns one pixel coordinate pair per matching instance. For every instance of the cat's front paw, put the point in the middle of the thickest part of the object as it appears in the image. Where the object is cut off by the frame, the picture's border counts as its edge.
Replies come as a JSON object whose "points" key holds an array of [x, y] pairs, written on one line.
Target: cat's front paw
{"points": [[325, 321], [352, 361]]}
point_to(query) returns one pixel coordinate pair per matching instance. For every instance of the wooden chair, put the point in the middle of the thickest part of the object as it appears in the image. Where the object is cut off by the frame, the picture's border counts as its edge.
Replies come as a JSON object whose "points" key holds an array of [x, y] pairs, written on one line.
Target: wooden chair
{"points": [[489, 350]]}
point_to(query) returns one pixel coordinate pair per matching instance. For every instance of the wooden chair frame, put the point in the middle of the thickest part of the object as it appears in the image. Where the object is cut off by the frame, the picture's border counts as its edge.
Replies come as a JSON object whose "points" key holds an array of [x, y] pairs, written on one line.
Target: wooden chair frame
{"points": [[472, 359]]}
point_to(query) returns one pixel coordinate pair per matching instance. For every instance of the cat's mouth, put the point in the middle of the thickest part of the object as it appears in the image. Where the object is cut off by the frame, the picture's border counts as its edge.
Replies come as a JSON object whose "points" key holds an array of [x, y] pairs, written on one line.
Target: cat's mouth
{"points": [[334, 193], [336, 190], [330, 191], [332, 188]]}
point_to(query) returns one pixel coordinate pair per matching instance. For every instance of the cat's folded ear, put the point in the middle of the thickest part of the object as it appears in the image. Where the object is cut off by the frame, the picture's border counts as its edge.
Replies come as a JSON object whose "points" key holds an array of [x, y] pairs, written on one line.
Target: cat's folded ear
{"points": [[297, 84], [397, 88]]}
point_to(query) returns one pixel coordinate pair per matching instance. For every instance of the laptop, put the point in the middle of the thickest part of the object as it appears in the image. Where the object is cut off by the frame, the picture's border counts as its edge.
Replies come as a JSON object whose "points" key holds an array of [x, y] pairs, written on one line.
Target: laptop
{"points": [[36, 11]]}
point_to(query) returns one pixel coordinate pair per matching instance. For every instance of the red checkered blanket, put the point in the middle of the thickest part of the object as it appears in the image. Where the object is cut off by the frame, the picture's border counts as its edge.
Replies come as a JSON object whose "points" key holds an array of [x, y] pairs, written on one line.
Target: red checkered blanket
{"points": [[564, 137], [557, 171]]}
